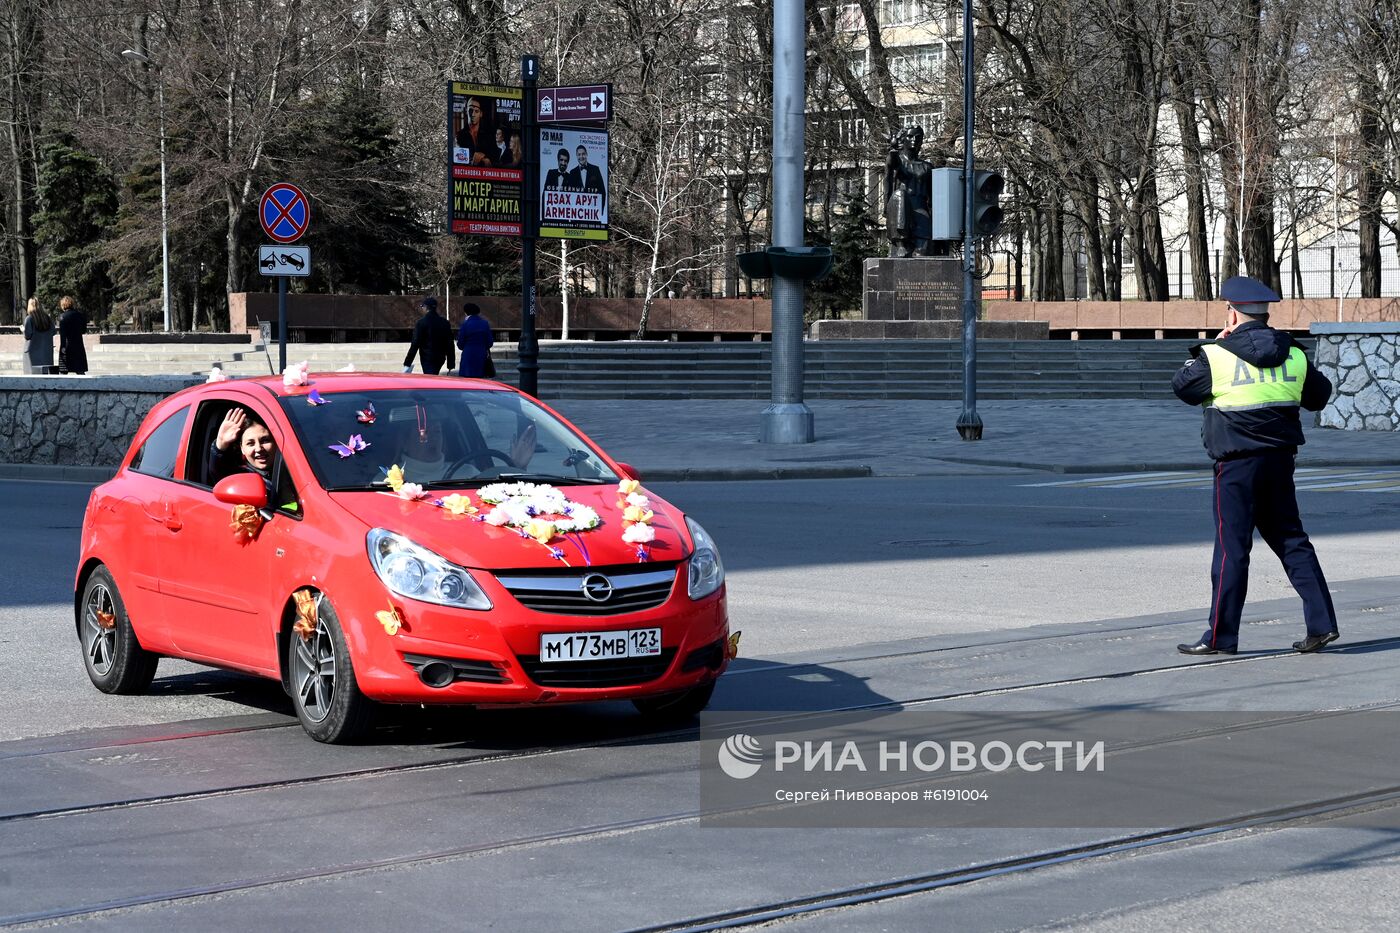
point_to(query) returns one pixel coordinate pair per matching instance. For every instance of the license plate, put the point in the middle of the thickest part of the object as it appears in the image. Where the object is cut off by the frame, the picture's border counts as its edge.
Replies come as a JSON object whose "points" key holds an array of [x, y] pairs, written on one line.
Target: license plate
{"points": [[600, 646]]}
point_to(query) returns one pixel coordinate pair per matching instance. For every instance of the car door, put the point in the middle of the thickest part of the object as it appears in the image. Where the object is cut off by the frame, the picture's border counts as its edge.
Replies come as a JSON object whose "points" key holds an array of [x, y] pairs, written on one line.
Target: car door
{"points": [[220, 601], [139, 506]]}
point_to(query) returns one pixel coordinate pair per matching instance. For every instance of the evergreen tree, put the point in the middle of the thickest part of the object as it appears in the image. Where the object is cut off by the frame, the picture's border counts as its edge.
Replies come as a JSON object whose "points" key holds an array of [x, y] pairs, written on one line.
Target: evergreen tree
{"points": [[134, 250], [78, 198], [854, 239], [366, 235]]}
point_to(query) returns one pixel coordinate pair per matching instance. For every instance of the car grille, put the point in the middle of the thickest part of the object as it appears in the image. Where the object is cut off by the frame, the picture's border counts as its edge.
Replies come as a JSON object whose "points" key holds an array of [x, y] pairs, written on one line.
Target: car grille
{"points": [[633, 589], [623, 672]]}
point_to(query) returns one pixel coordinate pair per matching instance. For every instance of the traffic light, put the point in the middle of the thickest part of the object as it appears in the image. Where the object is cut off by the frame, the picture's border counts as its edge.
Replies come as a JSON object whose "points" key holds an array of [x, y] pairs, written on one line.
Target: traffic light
{"points": [[986, 213], [949, 195]]}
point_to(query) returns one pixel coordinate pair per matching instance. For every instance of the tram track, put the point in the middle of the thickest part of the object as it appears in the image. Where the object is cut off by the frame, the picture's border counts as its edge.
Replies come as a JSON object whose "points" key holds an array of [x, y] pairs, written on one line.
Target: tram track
{"points": [[860, 895], [479, 759], [871, 892]]}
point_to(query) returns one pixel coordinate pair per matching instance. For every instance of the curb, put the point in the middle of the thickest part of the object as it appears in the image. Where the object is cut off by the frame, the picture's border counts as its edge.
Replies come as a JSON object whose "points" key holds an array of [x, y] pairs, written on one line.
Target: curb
{"points": [[56, 473]]}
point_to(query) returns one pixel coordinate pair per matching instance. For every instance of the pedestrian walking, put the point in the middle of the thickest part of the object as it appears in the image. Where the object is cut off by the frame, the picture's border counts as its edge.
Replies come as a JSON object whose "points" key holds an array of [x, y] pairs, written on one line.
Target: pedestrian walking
{"points": [[39, 330], [1252, 379], [474, 339], [432, 341], [72, 355]]}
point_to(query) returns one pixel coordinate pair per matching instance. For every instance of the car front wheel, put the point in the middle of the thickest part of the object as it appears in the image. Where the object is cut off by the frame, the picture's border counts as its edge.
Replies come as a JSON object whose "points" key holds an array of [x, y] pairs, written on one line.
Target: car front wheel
{"points": [[114, 658], [328, 701], [676, 708]]}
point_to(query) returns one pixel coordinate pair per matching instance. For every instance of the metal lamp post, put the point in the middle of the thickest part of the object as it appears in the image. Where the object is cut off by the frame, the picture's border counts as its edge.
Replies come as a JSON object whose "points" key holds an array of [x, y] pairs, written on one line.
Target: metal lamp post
{"points": [[788, 420], [132, 55]]}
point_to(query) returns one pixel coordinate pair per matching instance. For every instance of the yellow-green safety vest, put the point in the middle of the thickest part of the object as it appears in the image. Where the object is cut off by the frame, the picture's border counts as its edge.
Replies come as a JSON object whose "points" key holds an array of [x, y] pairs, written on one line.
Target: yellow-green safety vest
{"points": [[1238, 386]]}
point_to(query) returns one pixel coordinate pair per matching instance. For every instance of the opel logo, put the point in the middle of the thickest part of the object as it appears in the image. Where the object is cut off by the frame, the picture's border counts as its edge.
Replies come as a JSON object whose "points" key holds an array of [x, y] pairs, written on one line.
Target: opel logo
{"points": [[597, 588]]}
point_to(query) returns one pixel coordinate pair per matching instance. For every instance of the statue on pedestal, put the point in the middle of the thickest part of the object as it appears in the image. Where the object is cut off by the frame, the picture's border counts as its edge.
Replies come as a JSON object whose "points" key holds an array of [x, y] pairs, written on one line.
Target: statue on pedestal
{"points": [[908, 195]]}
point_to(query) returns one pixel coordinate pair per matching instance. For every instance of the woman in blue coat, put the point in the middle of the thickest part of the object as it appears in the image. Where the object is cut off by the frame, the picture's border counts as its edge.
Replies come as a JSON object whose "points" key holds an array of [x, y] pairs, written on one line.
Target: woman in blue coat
{"points": [[474, 339]]}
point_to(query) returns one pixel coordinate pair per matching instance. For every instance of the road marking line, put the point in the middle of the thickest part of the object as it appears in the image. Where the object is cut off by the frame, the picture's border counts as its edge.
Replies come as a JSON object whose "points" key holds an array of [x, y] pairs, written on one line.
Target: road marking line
{"points": [[1102, 479]]}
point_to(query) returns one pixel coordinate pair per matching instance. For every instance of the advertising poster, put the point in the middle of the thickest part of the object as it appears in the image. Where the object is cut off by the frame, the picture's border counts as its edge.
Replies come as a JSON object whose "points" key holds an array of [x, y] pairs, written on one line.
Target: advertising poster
{"points": [[574, 183], [486, 167]]}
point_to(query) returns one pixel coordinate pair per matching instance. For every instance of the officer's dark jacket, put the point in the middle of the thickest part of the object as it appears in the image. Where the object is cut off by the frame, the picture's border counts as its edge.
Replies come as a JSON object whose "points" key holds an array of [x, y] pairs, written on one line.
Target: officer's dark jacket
{"points": [[1231, 434]]}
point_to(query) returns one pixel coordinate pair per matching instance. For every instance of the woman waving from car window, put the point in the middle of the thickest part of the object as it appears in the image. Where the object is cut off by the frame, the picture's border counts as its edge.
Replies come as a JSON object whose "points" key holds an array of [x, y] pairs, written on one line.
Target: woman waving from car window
{"points": [[244, 443]]}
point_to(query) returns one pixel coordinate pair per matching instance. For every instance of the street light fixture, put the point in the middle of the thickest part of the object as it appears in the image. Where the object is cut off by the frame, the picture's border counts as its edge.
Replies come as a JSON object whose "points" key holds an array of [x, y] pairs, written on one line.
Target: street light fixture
{"points": [[141, 58]]}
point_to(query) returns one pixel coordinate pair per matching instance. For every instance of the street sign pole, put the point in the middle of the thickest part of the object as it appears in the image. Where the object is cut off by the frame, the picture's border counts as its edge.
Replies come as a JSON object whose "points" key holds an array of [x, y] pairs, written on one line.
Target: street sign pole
{"points": [[282, 323], [285, 215], [969, 424], [528, 351]]}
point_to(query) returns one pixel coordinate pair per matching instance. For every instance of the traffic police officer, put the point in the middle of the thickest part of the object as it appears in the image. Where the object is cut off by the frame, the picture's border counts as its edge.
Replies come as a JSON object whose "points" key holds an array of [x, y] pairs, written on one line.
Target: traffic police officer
{"points": [[1251, 380]]}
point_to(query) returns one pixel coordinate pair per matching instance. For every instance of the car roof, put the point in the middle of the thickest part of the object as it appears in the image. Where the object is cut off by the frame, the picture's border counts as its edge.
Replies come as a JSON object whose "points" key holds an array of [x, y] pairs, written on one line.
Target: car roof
{"points": [[356, 382]]}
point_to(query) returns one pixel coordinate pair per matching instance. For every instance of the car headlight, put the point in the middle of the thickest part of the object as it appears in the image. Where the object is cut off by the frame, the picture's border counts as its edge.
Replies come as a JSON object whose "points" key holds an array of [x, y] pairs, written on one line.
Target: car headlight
{"points": [[417, 573], [706, 571]]}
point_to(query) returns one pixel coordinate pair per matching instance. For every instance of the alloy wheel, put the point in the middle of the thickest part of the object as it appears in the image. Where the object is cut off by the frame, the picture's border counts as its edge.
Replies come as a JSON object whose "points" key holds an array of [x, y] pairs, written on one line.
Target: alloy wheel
{"points": [[100, 641], [314, 674]]}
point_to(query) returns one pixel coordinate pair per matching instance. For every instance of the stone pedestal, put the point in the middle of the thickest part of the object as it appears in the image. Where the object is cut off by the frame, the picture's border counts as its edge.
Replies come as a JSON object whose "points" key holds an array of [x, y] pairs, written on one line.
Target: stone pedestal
{"points": [[919, 298]]}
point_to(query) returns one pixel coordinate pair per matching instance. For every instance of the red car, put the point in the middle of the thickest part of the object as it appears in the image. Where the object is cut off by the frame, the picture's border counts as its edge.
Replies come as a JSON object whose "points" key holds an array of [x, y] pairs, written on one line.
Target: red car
{"points": [[369, 538]]}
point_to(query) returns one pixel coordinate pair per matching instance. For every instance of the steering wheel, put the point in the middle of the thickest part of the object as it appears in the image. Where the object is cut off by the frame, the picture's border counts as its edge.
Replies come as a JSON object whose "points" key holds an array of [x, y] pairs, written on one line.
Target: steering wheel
{"points": [[461, 462]]}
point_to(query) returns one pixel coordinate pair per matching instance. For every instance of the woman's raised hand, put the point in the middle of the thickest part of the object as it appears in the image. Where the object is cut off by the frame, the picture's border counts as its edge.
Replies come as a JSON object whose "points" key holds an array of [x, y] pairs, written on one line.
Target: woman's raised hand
{"points": [[230, 428]]}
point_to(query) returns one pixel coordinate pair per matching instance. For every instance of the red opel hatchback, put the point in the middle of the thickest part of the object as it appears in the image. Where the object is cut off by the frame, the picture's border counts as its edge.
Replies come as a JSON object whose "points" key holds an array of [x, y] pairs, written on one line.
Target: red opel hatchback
{"points": [[369, 538]]}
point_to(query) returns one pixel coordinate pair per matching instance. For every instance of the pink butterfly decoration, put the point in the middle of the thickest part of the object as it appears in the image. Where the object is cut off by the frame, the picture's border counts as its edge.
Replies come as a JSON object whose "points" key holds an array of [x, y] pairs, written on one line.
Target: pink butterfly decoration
{"points": [[366, 416], [354, 445]]}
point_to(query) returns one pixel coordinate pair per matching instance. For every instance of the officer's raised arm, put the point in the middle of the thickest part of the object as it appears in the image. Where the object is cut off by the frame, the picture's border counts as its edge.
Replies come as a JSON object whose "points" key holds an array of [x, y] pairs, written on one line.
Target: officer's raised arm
{"points": [[1192, 381], [1317, 389]]}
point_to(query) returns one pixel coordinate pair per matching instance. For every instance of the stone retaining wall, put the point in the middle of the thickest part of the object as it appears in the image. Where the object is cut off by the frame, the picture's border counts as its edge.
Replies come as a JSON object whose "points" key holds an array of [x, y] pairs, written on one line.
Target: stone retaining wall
{"points": [[76, 420], [1363, 362]]}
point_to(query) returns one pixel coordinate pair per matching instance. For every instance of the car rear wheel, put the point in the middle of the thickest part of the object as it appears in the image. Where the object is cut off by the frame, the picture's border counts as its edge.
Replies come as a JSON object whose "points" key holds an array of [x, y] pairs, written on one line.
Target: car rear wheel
{"points": [[114, 658], [328, 701], [675, 708]]}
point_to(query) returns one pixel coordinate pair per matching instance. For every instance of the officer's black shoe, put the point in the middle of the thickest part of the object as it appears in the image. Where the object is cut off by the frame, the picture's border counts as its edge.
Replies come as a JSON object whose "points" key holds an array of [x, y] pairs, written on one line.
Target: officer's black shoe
{"points": [[1201, 647], [1315, 642]]}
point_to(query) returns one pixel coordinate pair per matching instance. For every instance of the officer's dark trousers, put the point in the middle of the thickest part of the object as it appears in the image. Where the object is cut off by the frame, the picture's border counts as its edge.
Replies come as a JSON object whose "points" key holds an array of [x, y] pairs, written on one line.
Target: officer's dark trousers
{"points": [[1257, 492]]}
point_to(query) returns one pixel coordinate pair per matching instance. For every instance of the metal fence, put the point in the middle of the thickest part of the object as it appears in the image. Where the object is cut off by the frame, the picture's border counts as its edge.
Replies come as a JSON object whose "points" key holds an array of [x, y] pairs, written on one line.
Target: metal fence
{"points": [[1319, 272]]}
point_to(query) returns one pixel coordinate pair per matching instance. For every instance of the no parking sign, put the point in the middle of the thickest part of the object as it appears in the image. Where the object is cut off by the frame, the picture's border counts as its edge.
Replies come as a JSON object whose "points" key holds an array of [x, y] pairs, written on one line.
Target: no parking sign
{"points": [[284, 212]]}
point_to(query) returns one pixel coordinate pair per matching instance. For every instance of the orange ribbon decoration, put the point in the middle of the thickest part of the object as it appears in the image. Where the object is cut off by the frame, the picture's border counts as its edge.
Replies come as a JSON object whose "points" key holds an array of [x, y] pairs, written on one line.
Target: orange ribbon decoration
{"points": [[246, 522], [306, 613]]}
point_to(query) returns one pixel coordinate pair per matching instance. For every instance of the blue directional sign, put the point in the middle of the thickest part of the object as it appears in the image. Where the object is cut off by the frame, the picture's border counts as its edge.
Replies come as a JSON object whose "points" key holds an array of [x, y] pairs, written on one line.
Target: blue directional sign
{"points": [[285, 212]]}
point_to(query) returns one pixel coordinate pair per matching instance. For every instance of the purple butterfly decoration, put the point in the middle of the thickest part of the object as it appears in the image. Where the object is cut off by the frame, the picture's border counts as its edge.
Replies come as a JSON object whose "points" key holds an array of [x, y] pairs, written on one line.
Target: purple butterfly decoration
{"points": [[354, 445], [315, 398], [366, 416]]}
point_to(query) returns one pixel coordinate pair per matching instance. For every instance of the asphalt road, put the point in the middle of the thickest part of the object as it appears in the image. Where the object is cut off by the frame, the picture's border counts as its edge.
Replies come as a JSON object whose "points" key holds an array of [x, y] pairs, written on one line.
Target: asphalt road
{"points": [[203, 806]]}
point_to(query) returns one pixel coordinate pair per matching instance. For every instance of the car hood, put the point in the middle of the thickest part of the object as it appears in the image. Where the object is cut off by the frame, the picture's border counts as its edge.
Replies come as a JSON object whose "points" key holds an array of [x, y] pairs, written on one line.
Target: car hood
{"points": [[468, 542]]}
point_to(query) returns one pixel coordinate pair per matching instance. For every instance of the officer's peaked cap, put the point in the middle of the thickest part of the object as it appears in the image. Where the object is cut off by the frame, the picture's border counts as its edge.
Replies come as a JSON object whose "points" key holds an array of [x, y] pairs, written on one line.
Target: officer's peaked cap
{"points": [[1243, 290]]}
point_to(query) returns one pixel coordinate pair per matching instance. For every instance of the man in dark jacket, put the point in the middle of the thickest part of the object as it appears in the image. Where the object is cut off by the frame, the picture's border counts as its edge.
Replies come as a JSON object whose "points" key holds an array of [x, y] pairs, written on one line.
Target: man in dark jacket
{"points": [[1252, 380], [432, 339]]}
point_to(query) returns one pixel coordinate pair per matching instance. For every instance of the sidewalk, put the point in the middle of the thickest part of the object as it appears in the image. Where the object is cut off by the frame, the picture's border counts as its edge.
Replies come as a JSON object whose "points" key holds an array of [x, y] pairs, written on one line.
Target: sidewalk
{"points": [[710, 439]]}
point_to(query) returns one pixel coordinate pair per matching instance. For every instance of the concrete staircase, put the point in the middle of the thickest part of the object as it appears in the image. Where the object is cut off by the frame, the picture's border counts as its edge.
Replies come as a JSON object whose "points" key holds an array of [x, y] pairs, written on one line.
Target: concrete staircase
{"points": [[876, 369]]}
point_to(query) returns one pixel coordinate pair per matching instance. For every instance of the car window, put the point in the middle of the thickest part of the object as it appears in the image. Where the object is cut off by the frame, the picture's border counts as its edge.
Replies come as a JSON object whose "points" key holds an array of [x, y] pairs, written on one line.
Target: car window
{"points": [[438, 436], [202, 469], [161, 448]]}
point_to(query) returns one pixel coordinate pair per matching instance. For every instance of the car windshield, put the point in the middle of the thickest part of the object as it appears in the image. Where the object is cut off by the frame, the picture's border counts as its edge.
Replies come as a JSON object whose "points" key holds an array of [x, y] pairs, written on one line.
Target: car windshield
{"points": [[438, 438]]}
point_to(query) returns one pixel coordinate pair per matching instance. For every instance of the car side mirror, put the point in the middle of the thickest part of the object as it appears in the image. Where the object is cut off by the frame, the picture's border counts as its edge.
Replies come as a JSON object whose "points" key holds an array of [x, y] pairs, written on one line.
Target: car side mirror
{"points": [[242, 489], [629, 471]]}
